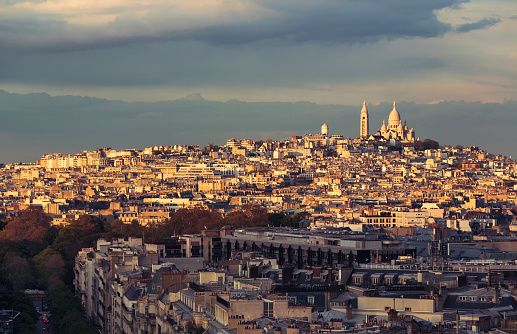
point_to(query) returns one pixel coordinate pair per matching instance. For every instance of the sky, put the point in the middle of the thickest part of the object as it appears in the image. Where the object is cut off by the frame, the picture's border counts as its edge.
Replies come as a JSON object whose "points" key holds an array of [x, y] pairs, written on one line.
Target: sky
{"points": [[37, 123], [326, 51], [452, 65]]}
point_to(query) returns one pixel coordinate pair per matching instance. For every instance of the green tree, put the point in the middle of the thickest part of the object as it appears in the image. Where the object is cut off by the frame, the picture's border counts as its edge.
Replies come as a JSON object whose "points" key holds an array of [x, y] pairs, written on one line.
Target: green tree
{"points": [[23, 324], [73, 322], [18, 271], [67, 311], [50, 268], [281, 219], [26, 321], [67, 241], [299, 216]]}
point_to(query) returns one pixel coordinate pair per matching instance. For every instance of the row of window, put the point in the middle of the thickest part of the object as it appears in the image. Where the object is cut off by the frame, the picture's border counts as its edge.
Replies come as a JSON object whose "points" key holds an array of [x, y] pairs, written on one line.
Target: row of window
{"points": [[407, 309], [475, 299], [310, 300]]}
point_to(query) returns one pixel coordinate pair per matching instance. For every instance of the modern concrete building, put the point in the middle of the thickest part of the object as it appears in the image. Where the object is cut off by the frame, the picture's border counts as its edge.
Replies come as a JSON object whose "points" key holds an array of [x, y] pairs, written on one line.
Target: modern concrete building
{"points": [[305, 248]]}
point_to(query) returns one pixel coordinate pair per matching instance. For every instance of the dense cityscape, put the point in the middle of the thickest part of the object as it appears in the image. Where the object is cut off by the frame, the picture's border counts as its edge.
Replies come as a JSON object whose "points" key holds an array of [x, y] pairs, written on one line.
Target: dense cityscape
{"points": [[319, 233]]}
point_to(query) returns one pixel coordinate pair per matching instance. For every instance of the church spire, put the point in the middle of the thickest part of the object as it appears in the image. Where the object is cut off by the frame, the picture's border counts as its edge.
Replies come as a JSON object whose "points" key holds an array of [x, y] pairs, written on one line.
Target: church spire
{"points": [[365, 123], [364, 110]]}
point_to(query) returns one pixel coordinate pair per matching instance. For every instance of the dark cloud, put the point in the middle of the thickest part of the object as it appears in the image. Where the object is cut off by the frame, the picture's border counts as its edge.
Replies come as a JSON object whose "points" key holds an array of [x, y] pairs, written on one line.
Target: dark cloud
{"points": [[325, 21], [31, 25], [289, 44], [358, 21], [479, 25]]}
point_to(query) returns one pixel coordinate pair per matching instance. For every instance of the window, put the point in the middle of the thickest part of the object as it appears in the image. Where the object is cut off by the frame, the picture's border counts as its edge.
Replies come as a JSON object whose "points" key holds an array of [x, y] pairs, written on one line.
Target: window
{"points": [[463, 298], [292, 299], [310, 300], [268, 309], [472, 298]]}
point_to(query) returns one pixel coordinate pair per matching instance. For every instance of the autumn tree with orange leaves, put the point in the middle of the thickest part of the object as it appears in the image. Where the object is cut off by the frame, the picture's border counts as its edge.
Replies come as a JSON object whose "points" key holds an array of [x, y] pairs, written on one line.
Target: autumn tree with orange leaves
{"points": [[32, 225]]}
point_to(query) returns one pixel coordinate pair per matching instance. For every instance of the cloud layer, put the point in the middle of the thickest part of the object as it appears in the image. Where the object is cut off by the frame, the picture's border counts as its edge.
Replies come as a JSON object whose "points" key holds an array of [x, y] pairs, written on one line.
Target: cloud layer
{"points": [[326, 51], [66, 25]]}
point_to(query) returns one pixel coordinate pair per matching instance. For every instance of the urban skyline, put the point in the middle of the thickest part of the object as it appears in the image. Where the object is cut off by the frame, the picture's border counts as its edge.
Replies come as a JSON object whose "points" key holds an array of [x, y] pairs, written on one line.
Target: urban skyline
{"points": [[378, 229], [260, 166], [37, 124]]}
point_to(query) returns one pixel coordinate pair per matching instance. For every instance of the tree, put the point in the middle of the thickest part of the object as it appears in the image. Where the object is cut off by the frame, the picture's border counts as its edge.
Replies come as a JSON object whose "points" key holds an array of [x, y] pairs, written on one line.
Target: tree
{"points": [[18, 271], [457, 165], [248, 216], [73, 322], [66, 237], [133, 229], [156, 232], [278, 219], [195, 220], [299, 216], [430, 144], [263, 170], [31, 225], [26, 321], [88, 224], [67, 311], [50, 267]]}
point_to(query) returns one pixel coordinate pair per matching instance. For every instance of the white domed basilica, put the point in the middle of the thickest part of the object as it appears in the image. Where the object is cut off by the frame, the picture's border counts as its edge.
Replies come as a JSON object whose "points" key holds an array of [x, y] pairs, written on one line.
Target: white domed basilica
{"points": [[395, 130]]}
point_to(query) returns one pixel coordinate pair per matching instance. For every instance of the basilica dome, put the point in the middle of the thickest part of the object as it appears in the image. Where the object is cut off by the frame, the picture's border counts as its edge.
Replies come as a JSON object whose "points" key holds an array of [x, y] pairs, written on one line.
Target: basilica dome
{"points": [[394, 117]]}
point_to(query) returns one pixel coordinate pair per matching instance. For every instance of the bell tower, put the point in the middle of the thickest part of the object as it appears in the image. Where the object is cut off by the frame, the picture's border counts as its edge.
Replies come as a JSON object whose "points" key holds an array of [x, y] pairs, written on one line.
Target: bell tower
{"points": [[365, 124]]}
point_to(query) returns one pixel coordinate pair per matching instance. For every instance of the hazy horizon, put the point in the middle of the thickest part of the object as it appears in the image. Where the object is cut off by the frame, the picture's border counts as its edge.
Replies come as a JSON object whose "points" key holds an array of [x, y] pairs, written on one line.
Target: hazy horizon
{"points": [[38, 123]]}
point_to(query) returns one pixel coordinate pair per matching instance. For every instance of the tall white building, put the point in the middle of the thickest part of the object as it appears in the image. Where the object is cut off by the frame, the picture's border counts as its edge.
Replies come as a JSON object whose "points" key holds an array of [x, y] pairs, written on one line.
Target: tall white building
{"points": [[365, 123]]}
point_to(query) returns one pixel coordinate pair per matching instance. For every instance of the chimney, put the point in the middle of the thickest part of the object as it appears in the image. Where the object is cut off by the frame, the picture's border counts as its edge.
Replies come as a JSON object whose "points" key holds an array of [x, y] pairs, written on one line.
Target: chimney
{"points": [[497, 294], [330, 276], [316, 272], [392, 315], [287, 272], [348, 311]]}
